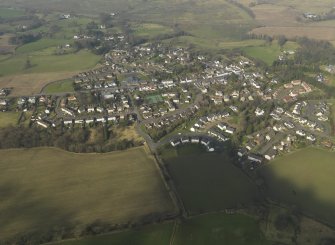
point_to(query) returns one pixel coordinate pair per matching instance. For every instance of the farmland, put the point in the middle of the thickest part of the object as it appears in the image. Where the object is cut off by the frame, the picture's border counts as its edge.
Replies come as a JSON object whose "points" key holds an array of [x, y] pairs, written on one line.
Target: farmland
{"points": [[210, 229], [302, 179], [41, 63], [282, 18], [151, 235], [8, 118], [204, 182], [77, 189], [59, 87], [220, 229]]}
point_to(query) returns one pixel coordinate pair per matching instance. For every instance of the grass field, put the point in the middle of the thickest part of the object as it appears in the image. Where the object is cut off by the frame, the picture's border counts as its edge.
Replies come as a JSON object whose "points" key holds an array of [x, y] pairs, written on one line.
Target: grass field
{"points": [[151, 30], [30, 84], [41, 44], [304, 179], [71, 190], [209, 229], [42, 63], [8, 118], [59, 87], [209, 182], [9, 13], [220, 229], [154, 99], [150, 235]]}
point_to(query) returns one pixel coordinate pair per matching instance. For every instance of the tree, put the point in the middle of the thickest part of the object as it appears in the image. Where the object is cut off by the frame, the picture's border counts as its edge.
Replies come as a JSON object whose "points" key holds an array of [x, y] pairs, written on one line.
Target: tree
{"points": [[282, 40], [28, 63]]}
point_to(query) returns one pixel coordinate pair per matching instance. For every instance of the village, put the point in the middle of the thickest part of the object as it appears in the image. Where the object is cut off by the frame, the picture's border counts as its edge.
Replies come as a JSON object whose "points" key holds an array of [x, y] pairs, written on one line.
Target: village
{"points": [[171, 93]]}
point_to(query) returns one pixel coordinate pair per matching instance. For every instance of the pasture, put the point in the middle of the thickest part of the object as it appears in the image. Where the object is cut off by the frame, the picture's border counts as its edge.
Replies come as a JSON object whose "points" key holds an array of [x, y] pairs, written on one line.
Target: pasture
{"points": [[8, 118], [209, 181], [220, 228], [303, 179], [150, 30], [30, 84], [72, 190], [43, 63], [62, 86], [149, 235], [237, 229], [9, 13]]}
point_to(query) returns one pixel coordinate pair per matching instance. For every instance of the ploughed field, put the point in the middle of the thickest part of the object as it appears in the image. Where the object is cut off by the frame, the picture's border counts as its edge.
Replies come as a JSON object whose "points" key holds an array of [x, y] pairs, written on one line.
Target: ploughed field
{"points": [[46, 189]]}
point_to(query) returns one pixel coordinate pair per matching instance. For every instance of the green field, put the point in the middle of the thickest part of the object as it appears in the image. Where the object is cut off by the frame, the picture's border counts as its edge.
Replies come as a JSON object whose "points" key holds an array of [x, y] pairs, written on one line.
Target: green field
{"points": [[154, 99], [304, 179], [220, 229], [43, 190], [151, 30], [209, 229], [41, 44], [209, 182], [9, 13], [268, 53], [46, 62], [59, 87], [150, 235], [8, 118]]}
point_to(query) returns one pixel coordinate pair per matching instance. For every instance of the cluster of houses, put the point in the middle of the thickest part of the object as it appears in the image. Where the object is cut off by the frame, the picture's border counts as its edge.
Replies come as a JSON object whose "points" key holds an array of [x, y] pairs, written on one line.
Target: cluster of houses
{"points": [[290, 91], [206, 142]]}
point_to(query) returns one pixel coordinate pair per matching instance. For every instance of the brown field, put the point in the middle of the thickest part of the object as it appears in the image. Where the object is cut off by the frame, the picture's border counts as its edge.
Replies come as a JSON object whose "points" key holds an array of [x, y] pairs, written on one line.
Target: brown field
{"points": [[320, 33], [29, 84], [281, 19], [5, 47]]}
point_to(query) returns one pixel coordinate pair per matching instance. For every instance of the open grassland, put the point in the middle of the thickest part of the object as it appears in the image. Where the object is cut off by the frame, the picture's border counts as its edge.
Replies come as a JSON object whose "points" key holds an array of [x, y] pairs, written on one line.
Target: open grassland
{"points": [[202, 18], [221, 228], [209, 229], [30, 84], [209, 182], [268, 53], [150, 30], [41, 44], [150, 235], [42, 63], [45, 188], [304, 179], [59, 87], [8, 118], [9, 13]]}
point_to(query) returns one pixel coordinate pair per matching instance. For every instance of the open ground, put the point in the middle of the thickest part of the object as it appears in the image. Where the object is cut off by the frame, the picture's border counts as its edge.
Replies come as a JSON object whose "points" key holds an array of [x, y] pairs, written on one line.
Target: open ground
{"points": [[209, 182], [303, 179], [73, 190]]}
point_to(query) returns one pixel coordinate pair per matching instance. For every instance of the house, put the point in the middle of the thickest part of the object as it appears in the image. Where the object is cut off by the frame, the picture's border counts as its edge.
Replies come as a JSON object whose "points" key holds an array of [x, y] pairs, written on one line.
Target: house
{"points": [[185, 140], [271, 154], [230, 130], [255, 158], [174, 143], [44, 125], [222, 126], [259, 112], [241, 152], [300, 132], [311, 138], [67, 111], [195, 140]]}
